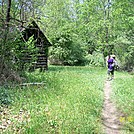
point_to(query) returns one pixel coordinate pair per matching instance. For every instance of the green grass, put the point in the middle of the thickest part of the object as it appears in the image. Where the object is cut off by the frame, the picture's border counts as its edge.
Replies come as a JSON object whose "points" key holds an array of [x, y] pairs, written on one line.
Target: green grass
{"points": [[70, 102], [124, 95]]}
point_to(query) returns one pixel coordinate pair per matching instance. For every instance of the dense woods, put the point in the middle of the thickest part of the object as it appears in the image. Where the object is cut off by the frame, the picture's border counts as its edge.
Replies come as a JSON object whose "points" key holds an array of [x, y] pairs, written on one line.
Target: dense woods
{"points": [[82, 32], [75, 37]]}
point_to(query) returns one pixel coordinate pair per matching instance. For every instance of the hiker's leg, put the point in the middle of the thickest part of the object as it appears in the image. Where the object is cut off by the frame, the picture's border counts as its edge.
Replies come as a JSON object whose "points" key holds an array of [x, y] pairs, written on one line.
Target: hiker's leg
{"points": [[112, 74], [108, 75]]}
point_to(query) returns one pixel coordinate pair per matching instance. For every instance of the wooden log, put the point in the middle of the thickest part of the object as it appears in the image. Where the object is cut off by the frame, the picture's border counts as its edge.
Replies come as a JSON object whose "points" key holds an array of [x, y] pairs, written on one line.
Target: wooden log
{"points": [[41, 63], [33, 84], [40, 66], [42, 58]]}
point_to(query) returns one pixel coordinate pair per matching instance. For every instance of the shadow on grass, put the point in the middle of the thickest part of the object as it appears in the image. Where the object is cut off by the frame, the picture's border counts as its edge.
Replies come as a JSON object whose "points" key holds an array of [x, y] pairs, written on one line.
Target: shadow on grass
{"points": [[57, 68], [5, 96], [71, 68]]}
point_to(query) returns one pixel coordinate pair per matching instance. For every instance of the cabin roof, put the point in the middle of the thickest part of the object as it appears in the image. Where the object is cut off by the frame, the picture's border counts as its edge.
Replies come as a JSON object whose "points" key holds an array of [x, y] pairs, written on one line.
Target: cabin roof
{"points": [[34, 30]]}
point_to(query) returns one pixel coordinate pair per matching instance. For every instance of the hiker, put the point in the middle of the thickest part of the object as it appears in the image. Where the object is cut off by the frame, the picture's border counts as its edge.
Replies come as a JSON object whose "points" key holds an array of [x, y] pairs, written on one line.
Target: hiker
{"points": [[111, 66], [115, 62]]}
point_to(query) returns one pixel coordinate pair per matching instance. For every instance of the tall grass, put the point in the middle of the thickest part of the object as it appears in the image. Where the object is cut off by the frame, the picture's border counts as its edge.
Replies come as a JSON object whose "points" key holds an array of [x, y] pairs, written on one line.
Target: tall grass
{"points": [[70, 102], [124, 96]]}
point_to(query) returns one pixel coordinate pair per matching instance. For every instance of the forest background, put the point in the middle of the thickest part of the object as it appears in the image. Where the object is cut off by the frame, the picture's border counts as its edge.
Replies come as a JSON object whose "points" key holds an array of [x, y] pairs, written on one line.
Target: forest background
{"points": [[82, 32]]}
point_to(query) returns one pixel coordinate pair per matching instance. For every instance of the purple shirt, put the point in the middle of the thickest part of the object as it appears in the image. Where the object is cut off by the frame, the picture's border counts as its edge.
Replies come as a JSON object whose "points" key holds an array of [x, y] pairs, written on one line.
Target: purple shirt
{"points": [[110, 64]]}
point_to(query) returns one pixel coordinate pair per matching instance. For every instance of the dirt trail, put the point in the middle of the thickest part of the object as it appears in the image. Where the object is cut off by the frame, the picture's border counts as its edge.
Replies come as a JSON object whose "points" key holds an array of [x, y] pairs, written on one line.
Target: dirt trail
{"points": [[110, 114]]}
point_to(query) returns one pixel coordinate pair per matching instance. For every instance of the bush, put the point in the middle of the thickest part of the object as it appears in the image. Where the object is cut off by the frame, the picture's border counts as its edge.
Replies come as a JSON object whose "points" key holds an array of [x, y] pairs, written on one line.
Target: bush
{"points": [[95, 59], [66, 50], [124, 49]]}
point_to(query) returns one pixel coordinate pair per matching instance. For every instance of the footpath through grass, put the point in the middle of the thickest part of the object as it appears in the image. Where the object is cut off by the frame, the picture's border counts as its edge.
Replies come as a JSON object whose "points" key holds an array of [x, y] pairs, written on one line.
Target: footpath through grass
{"points": [[70, 102], [123, 86]]}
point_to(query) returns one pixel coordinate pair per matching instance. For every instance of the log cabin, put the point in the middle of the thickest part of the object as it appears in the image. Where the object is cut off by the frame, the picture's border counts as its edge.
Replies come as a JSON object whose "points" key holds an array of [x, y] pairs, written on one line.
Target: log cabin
{"points": [[41, 43]]}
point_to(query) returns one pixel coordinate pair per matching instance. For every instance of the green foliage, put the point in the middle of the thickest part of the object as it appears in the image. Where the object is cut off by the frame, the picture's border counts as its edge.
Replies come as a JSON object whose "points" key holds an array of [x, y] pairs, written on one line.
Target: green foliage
{"points": [[66, 50], [5, 96], [129, 58], [77, 29], [69, 102], [95, 59], [24, 53], [123, 95], [123, 19], [124, 48]]}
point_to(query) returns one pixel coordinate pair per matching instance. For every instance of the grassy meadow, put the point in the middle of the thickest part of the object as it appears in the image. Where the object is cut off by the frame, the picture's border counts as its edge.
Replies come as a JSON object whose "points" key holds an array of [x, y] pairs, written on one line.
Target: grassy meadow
{"points": [[123, 93], [70, 102]]}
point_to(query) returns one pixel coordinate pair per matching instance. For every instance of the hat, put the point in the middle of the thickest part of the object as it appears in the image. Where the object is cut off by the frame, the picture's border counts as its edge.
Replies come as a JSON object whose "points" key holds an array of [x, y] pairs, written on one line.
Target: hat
{"points": [[113, 56]]}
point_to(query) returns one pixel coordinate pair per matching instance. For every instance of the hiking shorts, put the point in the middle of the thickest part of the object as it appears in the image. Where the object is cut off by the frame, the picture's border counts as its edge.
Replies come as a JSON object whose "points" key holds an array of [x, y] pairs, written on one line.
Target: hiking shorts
{"points": [[110, 71]]}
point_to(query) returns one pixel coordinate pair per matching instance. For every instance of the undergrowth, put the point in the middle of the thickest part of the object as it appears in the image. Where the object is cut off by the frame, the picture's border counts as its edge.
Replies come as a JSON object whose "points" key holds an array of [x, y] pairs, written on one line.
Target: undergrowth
{"points": [[124, 95], [70, 102]]}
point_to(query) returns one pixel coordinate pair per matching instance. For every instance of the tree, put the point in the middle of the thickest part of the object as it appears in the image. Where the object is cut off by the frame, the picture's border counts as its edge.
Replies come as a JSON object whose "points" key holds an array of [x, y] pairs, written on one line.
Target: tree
{"points": [[17, 13], [123, 32], [5, 48]]}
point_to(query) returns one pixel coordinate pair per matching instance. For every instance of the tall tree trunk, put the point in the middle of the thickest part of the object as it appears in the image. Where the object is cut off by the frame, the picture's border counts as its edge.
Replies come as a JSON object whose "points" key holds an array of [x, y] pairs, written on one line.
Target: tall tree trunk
{"points": [[2, 5], [8, 13], [5, 50], [22, 10], [7, 23]]}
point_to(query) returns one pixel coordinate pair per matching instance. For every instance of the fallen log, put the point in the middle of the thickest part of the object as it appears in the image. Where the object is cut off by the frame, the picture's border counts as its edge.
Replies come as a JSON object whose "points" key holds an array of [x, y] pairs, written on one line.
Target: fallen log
{"points": [[33, 84]]}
